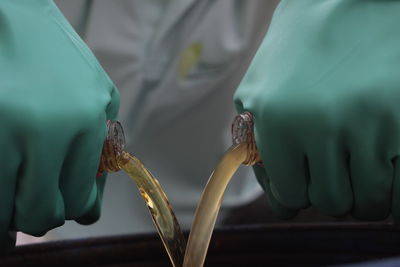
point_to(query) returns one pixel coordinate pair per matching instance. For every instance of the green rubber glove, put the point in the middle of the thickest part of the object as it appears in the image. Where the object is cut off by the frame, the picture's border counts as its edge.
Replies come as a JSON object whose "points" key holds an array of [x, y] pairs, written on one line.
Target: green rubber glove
{"points": [[324, 89], [54, 102]]}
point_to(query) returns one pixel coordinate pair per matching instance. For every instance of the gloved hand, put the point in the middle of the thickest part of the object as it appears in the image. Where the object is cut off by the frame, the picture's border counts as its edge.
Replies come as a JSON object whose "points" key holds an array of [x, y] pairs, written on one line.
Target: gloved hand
{"points": [[54, 102], [324, 89]]}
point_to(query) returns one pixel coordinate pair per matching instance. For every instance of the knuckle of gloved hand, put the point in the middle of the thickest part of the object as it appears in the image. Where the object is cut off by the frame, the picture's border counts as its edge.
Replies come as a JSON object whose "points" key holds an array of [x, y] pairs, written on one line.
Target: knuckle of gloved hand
{"points": [[41, 225], [296, 199], [81, 205], [387, 125], [272, 116], [91, 216], [300, 116], [29, 121], [373, 206], [90, 117], [332, 206]]}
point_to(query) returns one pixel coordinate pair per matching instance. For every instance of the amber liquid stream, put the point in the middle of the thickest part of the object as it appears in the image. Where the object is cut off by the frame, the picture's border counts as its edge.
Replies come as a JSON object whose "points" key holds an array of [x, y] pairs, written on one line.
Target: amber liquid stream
{"points": [[159, 207], [209, 205]]}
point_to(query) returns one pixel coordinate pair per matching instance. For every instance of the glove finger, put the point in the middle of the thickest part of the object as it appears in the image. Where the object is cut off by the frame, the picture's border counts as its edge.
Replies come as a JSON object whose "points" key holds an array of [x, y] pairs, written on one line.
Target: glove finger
{"points": [[78, 177], [371, 180], [329, 187], [39, 206], [94, 213], [286, 169], [281, 211], [396, 191], [8, 178]]}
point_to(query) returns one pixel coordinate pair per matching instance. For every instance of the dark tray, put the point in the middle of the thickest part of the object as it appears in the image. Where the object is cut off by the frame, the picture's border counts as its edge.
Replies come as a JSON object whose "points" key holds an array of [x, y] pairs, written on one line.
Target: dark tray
{"points": [[255, 245]]}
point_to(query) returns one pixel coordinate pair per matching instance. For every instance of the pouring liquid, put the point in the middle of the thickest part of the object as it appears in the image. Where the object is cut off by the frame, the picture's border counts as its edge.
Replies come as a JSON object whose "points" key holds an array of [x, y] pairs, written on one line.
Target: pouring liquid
{"points": [[243, 151], [157, 202], [209, 205]]}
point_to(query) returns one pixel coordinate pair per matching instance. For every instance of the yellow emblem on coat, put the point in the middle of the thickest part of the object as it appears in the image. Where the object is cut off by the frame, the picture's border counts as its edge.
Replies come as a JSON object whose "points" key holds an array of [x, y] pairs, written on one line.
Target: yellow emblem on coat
{"points": [[189, 57]]}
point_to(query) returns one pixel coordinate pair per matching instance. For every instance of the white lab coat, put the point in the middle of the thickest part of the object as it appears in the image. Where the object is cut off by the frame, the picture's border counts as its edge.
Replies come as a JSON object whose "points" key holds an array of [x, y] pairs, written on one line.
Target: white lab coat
{"points": [[176, 64]]}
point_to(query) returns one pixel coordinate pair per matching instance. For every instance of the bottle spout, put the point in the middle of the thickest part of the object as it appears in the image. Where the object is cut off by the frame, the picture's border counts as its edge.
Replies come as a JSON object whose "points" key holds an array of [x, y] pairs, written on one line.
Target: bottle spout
{"points": [[113, 146], [243, 132]]}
